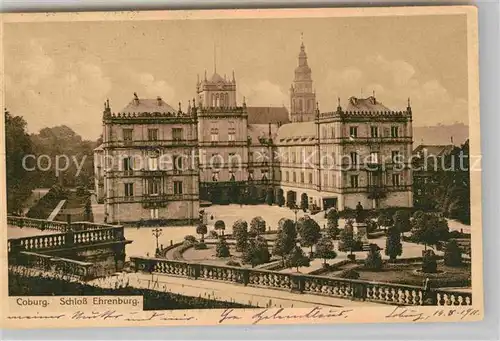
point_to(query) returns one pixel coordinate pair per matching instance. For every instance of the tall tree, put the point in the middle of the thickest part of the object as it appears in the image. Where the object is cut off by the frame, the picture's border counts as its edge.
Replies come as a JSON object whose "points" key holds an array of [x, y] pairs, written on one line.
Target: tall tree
{"points": [[17, 146], [296, 258], [257, 226], [304, 202], [402, 221], [332, 223], [393, 246], [240, 234], [257, 252], [430, 229], [325, 249], [309, 231], [285, 239]]}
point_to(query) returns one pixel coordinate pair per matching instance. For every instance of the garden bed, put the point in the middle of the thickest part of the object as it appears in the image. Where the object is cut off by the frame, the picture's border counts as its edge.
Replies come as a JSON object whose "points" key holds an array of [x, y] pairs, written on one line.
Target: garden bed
{"points": [[408, 274]]}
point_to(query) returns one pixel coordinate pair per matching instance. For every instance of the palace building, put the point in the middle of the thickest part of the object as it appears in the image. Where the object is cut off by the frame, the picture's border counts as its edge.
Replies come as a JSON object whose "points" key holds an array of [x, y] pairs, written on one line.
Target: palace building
{"points": [[220, 151]]}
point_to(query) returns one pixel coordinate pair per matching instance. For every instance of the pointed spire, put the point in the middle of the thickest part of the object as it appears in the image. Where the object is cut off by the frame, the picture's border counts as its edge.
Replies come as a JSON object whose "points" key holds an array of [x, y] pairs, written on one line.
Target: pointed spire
{"points": [[194, 103], [180, 109], [302, 47], [409, 102], [233, 77], [373, 93], [205, 75]]}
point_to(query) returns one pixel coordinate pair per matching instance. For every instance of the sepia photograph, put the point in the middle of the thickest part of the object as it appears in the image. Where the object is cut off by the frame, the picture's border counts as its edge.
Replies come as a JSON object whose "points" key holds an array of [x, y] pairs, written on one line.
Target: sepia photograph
{"points": [[241, 166]]}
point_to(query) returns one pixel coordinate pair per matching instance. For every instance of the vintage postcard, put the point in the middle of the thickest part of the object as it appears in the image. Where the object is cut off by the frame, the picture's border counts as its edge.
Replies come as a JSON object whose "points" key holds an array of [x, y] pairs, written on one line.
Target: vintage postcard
{"points": [[241, 167]]}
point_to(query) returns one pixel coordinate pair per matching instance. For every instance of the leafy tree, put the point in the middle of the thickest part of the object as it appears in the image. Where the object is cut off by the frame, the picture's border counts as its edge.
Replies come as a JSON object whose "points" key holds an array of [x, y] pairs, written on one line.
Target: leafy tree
{"points": [[280, 199], [256, 252], [385, 219], [347, 241], [285, 239], [452, 254], [429, 229], [304, 202], [296, 258], [325, 249], [332, 223], [220, 226], [257, 226], [202, 230], [309, 231], [17, 145], [402, 221], [240, 234], [393, 246], [270, 196], [222, 249], [373, 260]]}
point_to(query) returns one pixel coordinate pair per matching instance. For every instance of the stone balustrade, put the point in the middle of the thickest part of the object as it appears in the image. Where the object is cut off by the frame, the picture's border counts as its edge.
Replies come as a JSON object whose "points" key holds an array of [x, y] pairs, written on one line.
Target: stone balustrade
{"points": [[68, 239], [63, 266], [60, 226], [387, 293]]}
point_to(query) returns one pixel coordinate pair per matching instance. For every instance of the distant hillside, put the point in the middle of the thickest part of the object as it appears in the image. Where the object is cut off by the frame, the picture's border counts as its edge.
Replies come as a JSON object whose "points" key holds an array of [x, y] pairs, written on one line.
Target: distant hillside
{"points": [[441, 134]]}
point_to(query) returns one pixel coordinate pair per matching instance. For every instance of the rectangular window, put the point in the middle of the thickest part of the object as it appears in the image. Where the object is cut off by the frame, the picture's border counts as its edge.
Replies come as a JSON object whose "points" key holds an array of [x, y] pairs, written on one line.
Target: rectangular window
{"points": [[154, 213], [302, 177], [127, 134], [127, 164], [154, 186], [332, 132], [231, 132], [177, 134], [395, 156], [354, 158], [153, 134], [153, 163], [396, 180], [373, 157], [129, 189], [214, 132], [354, 181], [287, 177], [394, 131], [325, 180], [310, 178], [374, 131], [294, 177], [353, 131], [232, 160], [177, 187]]}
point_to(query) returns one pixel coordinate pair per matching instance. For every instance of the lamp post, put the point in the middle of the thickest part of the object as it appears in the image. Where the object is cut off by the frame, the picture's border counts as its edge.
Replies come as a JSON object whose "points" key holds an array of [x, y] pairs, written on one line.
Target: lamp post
{"points": [[157, 233]]}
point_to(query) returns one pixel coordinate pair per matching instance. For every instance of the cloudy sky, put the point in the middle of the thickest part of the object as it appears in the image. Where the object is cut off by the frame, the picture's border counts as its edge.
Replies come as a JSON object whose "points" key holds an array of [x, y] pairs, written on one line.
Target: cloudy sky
{"points": [[61, 73]]}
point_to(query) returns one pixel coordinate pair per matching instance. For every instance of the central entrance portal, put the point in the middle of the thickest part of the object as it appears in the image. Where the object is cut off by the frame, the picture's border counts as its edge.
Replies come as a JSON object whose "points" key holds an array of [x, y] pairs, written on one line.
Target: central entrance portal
{"points": [[329, 203]]}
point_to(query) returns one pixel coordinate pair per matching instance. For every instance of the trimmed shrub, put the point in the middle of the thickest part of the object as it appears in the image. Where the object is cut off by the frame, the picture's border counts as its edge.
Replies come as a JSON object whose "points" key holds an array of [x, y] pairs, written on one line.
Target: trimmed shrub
{"points": [[349, 274], [452, 254], [200, 246]]}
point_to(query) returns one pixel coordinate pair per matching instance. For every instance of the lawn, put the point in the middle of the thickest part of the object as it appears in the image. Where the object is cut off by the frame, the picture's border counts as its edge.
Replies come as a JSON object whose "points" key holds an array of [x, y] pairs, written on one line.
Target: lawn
{"points": [[408, 274], [208, 256]]}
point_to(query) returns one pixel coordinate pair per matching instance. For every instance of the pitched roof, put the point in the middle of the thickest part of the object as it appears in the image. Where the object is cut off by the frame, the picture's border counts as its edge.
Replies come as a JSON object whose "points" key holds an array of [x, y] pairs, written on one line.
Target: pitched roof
{"points": [[148, 105], [365, 104], [298, 132], [264, 115], [433, 150]]}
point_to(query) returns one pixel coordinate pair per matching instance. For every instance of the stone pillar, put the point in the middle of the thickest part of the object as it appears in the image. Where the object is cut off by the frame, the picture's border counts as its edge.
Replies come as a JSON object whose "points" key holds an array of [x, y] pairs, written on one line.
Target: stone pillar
{"points": [[360, 230]]}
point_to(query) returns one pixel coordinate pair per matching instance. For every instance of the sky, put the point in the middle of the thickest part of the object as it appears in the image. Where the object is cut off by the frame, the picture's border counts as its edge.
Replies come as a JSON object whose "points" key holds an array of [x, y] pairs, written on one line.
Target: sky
{"points": [[62, 72]]}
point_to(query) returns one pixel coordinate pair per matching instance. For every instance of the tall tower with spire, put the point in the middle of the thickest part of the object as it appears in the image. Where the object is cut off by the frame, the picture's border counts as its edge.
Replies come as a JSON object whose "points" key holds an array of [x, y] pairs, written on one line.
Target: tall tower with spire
{"points": [[302, 95]]}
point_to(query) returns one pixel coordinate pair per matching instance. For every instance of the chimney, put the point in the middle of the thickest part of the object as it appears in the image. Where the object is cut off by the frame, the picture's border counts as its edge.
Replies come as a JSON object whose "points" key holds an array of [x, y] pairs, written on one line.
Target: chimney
{"points": [[136, 99], [158, 101]]}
